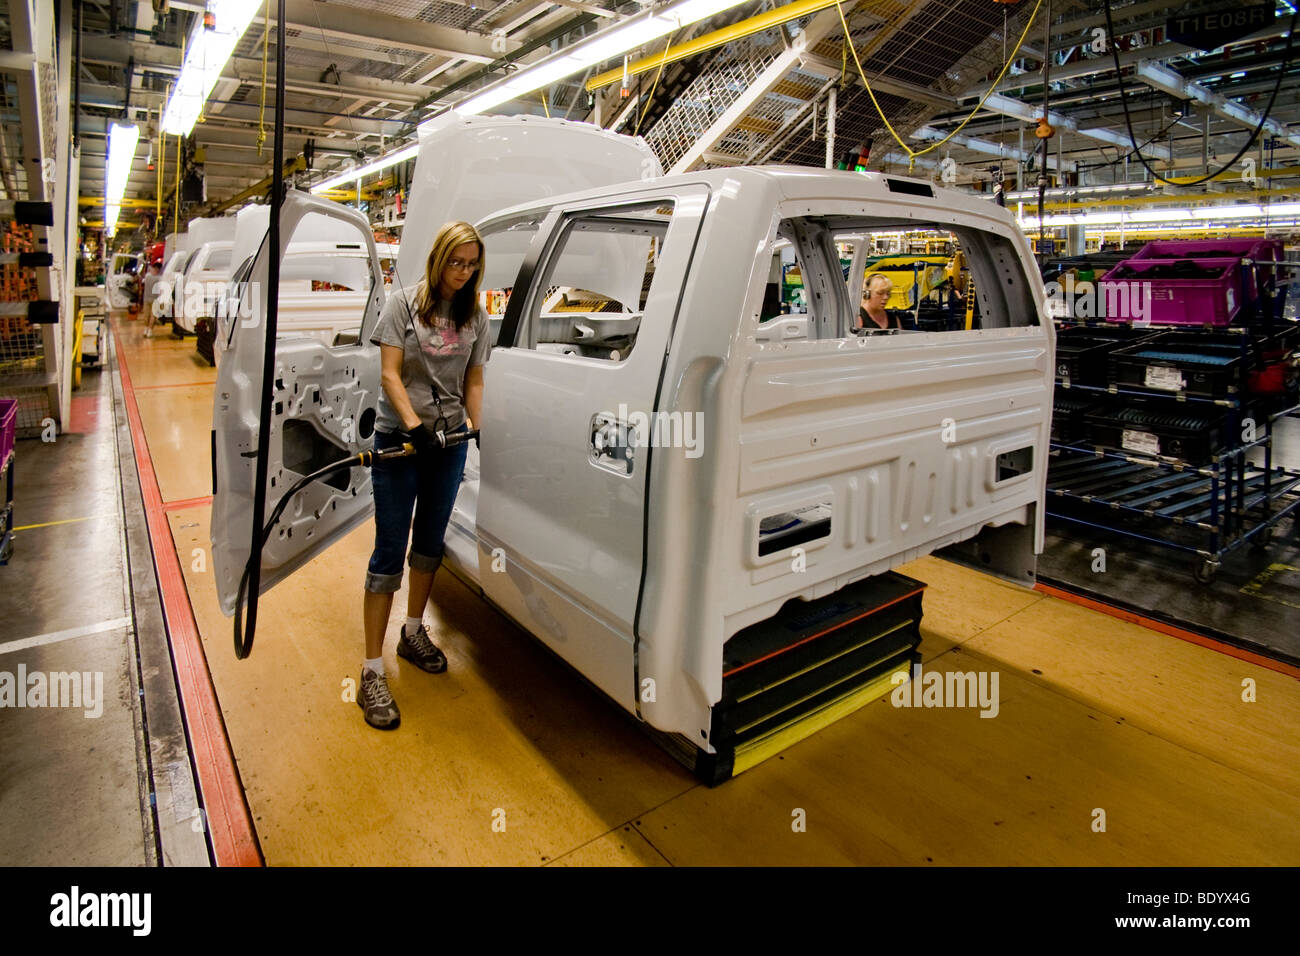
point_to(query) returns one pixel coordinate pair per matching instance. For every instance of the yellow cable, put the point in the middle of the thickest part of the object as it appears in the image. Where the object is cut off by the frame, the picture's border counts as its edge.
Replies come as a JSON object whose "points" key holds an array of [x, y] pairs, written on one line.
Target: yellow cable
{"points": [[176, 195], [545, 109], [266, 41], [911, 153], [655, 85], [158, 180]]}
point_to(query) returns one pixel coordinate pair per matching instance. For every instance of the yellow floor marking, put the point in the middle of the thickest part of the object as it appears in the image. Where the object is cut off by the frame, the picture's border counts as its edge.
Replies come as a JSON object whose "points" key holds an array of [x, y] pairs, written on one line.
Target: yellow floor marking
{"points": [[48, 524], [1256, 586]]}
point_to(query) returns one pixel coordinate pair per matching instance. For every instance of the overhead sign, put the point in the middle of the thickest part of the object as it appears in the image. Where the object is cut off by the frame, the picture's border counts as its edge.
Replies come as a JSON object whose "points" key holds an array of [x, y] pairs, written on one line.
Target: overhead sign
{"points": [[1211, 29]]}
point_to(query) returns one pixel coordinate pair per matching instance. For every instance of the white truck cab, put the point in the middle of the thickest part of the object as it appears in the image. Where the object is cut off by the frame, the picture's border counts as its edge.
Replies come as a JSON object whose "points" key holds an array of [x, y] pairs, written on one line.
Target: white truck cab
{"points": [[664, 496], [201, 285], [120, 278], [325, 280], [170, 279]]}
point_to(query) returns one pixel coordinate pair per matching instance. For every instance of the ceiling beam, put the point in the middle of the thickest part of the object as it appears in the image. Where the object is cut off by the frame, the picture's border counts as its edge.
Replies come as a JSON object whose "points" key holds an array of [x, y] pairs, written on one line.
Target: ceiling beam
{"points": [[381, 29], [1169, 81], [1030, 114], [983, 146], [1106, 64]]}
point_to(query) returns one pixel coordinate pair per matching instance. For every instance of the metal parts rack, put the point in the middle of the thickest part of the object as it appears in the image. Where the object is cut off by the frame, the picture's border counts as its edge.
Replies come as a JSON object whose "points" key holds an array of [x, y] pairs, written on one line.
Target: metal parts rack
{"points": [[1208, 506]]}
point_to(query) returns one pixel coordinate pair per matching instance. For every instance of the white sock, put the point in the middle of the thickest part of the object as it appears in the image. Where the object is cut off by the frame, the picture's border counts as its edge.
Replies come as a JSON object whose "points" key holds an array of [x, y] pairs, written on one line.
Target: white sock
{"points": [[413, 624], [376, 665]]}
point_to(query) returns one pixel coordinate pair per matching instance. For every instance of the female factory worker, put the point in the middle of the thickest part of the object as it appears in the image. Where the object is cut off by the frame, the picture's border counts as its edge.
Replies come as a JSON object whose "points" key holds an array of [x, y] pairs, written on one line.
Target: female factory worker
{"points": [[433, 342], [872, 313]]}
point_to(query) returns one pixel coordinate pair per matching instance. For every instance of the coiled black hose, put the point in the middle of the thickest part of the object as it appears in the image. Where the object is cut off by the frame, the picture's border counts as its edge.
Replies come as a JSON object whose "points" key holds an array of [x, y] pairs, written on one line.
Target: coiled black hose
{"points": [[365, 459]]}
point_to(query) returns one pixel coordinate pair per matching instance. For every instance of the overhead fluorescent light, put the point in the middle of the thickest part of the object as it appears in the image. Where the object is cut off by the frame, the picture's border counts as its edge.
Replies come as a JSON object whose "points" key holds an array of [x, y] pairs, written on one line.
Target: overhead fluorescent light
{"points": [[369, 169], [631, 33], [1203, 213], [205, 58], [122, 141]]}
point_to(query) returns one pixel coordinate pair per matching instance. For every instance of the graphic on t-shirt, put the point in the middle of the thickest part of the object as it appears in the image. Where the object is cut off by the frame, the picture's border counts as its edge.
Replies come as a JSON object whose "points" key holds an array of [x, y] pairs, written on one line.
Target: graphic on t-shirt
{"points": [[445, 341]]}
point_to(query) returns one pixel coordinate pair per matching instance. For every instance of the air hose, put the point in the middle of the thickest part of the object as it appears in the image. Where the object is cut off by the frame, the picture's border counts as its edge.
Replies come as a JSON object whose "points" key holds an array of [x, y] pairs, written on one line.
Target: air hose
{"points": [[365, 459]]}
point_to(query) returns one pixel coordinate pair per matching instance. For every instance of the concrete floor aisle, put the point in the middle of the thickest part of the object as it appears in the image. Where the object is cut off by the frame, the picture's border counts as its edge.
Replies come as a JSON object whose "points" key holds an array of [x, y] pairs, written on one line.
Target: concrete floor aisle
{"points": [[1112, 744], [79, 772]]}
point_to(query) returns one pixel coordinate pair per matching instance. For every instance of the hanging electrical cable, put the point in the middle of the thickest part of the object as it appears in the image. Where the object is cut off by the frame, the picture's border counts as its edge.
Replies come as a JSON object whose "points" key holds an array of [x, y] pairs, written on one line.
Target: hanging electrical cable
{"points": [[1128, 121], [655, 85], [244, 644], [912, 154], [261, 113]]}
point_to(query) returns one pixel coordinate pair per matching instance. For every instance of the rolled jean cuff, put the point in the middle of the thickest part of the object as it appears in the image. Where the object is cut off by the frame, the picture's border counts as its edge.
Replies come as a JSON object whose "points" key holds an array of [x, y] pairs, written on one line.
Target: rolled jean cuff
{"points": [[383, 583], [422, 562]]}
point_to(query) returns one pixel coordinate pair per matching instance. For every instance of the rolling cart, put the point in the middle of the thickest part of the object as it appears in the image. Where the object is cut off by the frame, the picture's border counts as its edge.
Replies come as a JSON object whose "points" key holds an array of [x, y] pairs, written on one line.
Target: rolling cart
{"points": [[8, 423]]}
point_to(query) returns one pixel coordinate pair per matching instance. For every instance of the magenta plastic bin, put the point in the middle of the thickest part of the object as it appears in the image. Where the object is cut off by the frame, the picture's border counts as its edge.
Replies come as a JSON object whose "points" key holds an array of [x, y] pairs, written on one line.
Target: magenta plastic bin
{"points": [[8, 426], [1260, 250], [1212, 299]]}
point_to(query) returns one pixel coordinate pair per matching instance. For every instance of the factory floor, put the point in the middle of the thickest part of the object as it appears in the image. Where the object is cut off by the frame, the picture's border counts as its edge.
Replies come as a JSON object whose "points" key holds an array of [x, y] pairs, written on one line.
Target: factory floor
{"points": [[1112, 743]]}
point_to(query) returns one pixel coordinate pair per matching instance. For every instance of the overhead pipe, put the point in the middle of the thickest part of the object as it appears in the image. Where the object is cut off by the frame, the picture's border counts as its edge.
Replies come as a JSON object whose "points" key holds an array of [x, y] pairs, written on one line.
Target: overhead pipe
{"points": [[544, 39], [716, 38], [830, 128], [76, 78], [130, 75]]}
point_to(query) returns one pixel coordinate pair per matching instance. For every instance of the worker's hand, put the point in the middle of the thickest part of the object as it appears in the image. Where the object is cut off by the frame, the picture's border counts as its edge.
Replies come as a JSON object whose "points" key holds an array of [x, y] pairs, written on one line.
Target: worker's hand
{"points": [[419, 437]]}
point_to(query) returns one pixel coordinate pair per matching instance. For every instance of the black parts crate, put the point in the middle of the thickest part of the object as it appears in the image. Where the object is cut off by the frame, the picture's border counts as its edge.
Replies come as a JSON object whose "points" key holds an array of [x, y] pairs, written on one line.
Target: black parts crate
{"points": [[1083, 352], [815, 661], [1207, 365], [1068, 418], [1193, 435]]}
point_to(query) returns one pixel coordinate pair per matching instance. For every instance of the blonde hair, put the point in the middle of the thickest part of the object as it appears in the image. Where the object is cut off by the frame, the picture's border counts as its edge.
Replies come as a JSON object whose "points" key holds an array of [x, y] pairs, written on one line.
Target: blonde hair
{"points": [[878, 275], [463, 303]]}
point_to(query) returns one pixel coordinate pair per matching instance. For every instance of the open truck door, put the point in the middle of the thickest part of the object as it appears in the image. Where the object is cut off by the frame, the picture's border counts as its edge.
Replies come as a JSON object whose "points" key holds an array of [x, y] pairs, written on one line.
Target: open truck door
{"points": [[325, 397], [569, 409], [324, 408]]}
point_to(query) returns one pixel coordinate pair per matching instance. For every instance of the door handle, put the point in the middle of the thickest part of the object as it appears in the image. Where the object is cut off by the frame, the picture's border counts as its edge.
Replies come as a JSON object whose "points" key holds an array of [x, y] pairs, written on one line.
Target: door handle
{"points": [[611, 444]]}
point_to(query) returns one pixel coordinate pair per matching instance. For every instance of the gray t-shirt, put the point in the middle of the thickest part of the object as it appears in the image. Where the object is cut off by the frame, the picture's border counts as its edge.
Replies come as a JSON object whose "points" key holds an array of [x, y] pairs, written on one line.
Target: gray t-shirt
{"points": [[436, 355]]}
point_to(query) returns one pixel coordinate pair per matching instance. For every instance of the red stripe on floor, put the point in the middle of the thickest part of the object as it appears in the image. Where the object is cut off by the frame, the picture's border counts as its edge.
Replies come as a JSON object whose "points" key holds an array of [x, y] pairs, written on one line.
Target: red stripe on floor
{"points": [[187, 503], [84, 416], [230, 824], [146, 388], [1182, 634]]}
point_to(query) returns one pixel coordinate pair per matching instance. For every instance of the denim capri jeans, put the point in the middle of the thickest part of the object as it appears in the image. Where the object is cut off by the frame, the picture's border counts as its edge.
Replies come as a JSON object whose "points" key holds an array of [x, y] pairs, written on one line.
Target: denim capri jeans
{"points": [[426, 483]]}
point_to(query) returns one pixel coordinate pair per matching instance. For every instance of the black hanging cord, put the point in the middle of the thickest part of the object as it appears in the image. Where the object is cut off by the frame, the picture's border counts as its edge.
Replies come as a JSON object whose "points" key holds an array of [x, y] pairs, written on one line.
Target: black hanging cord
{"points": [[1047, 86], [1128, 122], [365, 459], [250, 583], [244, 644]]}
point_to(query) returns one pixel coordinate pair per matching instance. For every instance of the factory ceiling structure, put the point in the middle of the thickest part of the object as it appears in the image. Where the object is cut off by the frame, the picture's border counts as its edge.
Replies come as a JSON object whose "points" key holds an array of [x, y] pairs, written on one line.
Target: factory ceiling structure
{"points": [[945, 89]]}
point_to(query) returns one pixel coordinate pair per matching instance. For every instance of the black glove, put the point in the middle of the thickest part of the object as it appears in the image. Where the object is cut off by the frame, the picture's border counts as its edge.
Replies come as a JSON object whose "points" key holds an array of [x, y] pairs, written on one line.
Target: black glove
{"points": [[419, 437]]}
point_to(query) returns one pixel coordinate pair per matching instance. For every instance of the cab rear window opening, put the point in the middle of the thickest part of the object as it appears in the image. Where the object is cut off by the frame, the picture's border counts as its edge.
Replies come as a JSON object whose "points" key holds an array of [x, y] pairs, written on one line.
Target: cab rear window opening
{"points": [[813, 257]]}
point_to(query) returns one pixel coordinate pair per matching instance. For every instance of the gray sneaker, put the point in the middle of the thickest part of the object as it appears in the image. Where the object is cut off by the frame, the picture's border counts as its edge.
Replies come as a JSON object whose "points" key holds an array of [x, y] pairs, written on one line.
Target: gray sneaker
{"points": [[377, 702], [416, 647]]}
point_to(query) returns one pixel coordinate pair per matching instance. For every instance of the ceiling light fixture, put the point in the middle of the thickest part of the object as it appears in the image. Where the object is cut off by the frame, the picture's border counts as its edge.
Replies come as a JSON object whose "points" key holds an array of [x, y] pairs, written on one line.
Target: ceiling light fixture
{"points": [[209, 49], [631, 33], [359, 172], [1204, 213], [122, 141]]}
